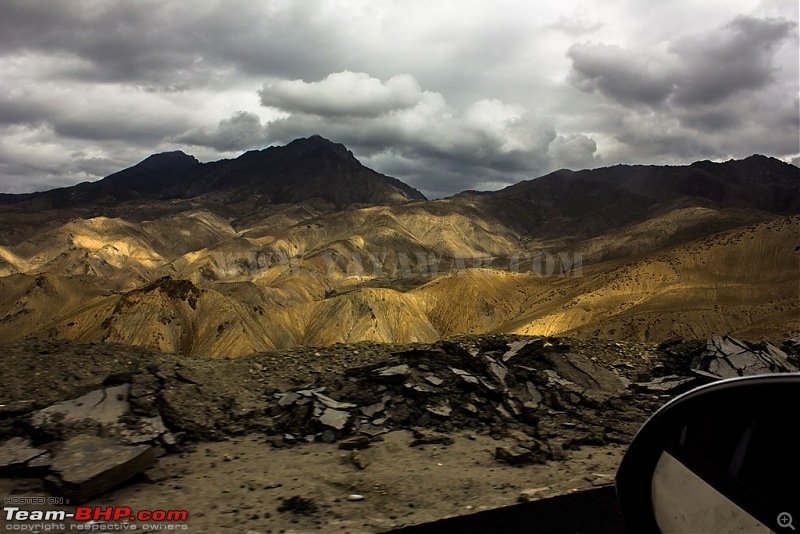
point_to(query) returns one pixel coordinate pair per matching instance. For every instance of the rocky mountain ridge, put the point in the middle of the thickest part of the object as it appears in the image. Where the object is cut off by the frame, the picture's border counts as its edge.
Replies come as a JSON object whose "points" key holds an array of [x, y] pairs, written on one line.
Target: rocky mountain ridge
{"points": [[301, 245]]}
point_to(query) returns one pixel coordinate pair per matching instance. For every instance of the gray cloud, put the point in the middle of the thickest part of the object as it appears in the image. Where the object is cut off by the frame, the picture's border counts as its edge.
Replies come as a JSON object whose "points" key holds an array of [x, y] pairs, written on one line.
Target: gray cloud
{"points": [[620, 74], [576, 24], [711, 95], [575, 152], [242, 131], [736, 58], [700, 69], [487, 141]]}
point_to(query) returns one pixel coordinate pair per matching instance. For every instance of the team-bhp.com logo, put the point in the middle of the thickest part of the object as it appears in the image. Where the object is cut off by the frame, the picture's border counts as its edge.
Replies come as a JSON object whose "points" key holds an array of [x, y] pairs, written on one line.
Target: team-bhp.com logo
{"points": [[95, 518]]}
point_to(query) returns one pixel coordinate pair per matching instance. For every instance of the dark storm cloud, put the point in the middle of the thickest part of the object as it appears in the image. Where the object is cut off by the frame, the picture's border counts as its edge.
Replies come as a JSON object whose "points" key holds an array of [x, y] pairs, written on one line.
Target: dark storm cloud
{"points": [[112, 128], [737, 58], [173, 44], [709, 95], [700, 69], [22, 174], [626, 77], [437, 178], [117, 40], [18, 111]]}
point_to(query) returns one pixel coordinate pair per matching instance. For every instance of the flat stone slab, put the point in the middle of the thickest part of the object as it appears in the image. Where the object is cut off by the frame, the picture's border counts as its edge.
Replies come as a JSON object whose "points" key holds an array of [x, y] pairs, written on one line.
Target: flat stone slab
{"points": [[595, 381], [331, 403], [727, 357], [334, 418], [15, 454], [105, 406], [534, 343], [394, 371], [87, 466], [667, 384]]}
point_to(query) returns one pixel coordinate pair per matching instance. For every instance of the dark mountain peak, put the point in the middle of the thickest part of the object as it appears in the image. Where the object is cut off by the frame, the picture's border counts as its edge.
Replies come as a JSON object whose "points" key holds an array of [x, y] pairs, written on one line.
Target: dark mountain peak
{"points": [[625, 194], [176, 159], [305, 169], [317, 146], [760, 158]]}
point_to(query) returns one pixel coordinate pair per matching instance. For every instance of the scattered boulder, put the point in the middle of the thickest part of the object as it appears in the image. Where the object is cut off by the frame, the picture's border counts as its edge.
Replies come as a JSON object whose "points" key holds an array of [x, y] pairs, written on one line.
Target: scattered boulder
{"points": [[518, 455], [442, 410], [430, 438], [532, 494], [359, 460], [373, 409], [435, 380]]}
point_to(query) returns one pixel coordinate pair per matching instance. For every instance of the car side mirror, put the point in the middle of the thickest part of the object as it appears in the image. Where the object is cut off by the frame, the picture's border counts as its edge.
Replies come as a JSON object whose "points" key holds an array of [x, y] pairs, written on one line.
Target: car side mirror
{"points": [[724, 457]]}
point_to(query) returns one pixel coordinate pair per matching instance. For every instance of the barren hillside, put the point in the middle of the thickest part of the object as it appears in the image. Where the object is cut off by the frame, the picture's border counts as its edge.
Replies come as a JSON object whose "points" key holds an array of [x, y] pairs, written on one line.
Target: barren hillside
{"points": [[301, 245]]}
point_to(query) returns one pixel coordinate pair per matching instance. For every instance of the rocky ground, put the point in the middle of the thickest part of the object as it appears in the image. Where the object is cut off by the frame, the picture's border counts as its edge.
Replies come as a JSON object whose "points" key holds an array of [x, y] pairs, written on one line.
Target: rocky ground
{"points": [[357, 438]]}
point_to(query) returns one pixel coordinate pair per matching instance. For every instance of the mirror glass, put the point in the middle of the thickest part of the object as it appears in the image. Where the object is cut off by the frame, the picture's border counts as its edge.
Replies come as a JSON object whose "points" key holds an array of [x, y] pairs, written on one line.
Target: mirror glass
{"points": [[723, 458], [732, 461]]}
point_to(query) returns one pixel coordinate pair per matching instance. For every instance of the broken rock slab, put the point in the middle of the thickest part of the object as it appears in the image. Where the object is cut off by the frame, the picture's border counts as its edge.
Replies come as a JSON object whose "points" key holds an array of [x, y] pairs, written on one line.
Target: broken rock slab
{"points": [[400, 371], [17, 453], [336, 419], [467, 377], [593, 381], [104, 411], [331, 403], [534, 343], [727, 357], [105, 406], [442, 410], [373, 409], [86, 466], [671, 384]]}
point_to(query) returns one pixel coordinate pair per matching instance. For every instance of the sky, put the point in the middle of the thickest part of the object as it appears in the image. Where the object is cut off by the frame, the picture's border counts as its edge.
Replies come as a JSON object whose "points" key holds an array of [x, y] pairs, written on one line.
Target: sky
{"points": [[444, 95]]}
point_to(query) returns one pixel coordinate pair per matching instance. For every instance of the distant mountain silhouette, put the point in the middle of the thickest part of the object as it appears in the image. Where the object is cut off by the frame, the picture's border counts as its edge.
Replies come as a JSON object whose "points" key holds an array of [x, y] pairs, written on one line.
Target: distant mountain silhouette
{"points": [[305, 169], [590, 202]]}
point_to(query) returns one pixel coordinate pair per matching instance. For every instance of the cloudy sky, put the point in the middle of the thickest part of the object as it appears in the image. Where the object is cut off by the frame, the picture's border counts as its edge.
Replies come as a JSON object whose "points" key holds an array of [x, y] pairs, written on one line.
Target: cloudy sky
{"points": [[445, 95]]}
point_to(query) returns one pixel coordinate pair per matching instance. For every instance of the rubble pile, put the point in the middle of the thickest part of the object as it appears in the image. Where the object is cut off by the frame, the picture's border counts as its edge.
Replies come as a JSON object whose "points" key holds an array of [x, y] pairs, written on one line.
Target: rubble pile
{"points": [[549, 395], [536, 388]]}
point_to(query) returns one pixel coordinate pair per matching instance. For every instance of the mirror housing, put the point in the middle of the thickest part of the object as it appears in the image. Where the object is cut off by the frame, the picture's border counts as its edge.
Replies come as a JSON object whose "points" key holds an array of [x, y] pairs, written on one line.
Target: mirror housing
{"points": [[724, 457]]}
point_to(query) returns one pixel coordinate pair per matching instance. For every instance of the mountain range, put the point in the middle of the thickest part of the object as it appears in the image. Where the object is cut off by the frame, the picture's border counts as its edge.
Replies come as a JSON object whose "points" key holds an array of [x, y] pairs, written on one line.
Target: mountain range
{"points": [[303, 245]]}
